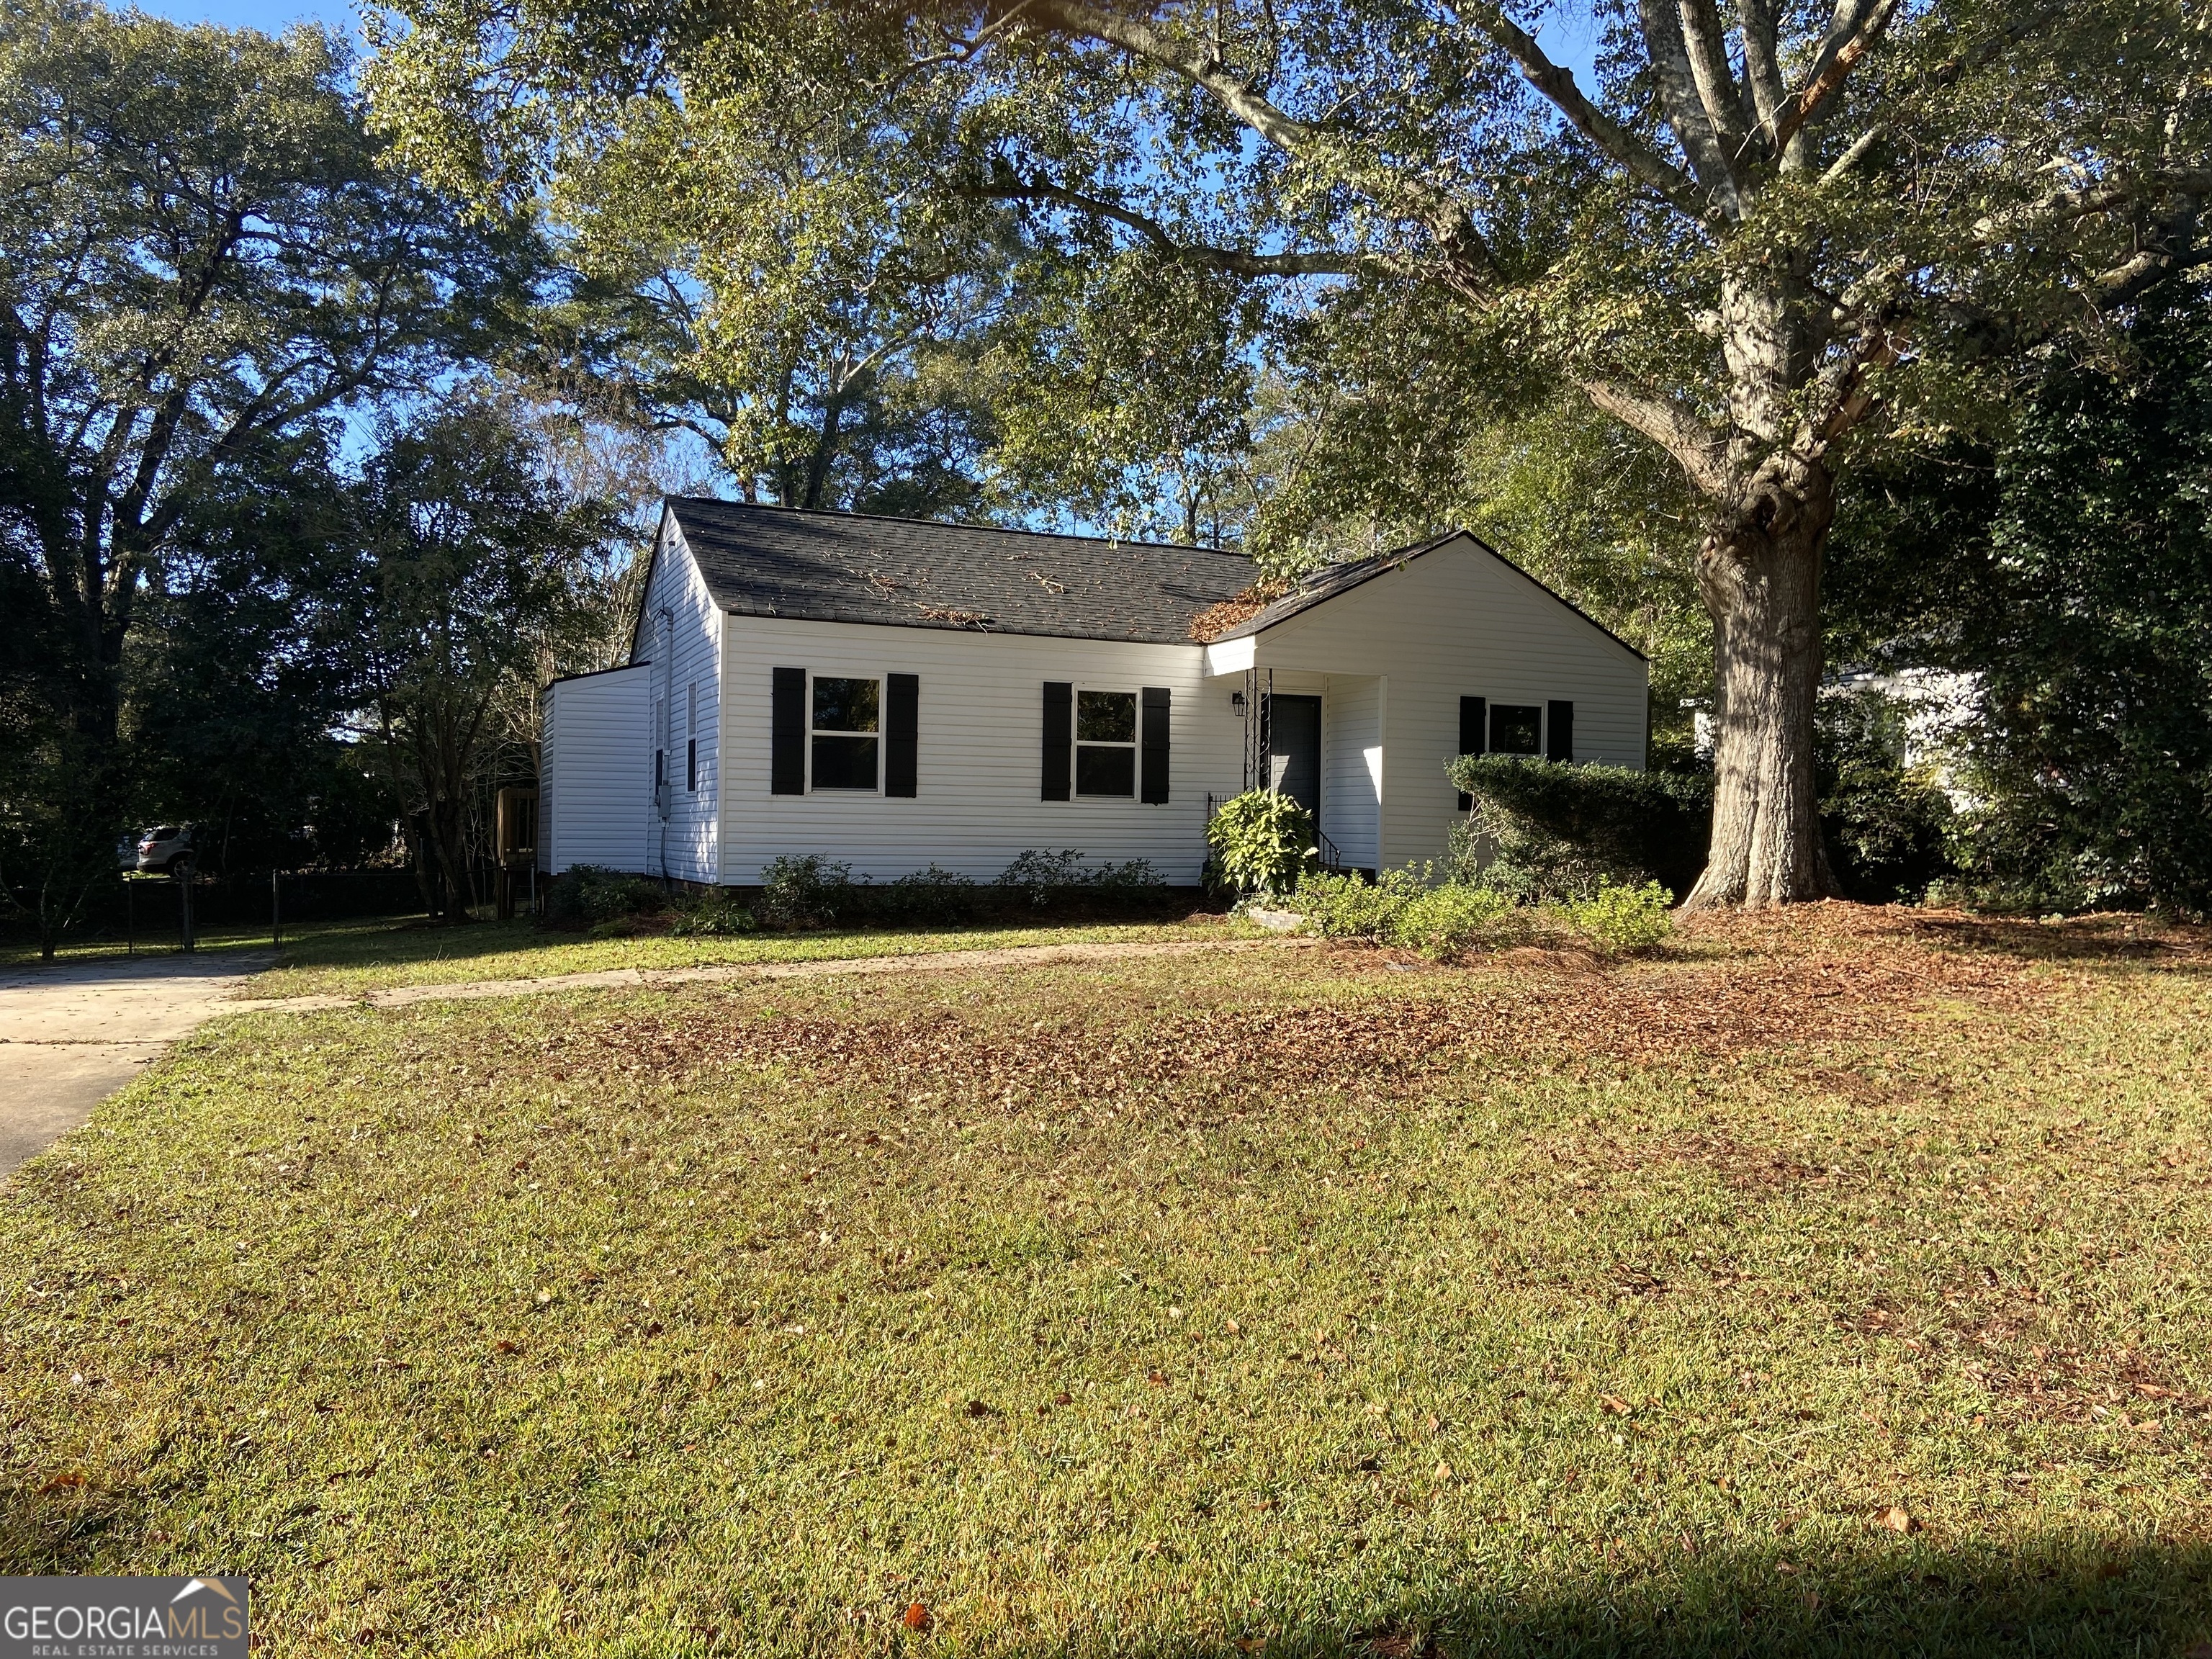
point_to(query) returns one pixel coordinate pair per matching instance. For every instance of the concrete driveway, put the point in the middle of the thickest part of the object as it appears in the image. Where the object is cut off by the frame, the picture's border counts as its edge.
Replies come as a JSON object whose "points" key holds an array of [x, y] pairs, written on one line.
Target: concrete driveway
{"points": [[73, 1034]]}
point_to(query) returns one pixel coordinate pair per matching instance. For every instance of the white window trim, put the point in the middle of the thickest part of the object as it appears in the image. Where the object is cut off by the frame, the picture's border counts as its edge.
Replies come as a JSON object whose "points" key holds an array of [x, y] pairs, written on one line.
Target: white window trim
{"points": [[1491, 705], [883, 688], [1076, 745]]}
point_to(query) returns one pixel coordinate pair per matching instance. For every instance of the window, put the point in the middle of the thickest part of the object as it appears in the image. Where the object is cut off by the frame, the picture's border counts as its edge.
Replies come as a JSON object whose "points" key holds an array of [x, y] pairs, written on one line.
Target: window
{"points": [[846, 717], [1517, 728], [1106, 743]]}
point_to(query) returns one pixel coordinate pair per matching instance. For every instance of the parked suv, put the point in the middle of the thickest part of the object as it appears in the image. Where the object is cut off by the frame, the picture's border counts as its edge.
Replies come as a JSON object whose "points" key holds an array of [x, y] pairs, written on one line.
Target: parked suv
{"points": [[166, 851]]}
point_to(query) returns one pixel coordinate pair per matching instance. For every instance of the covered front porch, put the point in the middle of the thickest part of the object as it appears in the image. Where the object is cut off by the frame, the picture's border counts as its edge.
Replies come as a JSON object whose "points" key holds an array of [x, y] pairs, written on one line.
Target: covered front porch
{"points": [[1317, 738]]}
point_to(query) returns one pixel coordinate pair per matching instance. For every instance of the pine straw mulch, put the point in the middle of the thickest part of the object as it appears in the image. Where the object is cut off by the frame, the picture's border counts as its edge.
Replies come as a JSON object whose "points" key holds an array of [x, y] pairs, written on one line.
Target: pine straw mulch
{"points": [[1350, 1022]]}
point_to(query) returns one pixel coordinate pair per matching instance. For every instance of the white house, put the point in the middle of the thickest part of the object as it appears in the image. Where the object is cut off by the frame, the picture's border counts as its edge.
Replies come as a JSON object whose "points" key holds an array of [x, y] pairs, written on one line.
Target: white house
{"points": [[895, 694]]}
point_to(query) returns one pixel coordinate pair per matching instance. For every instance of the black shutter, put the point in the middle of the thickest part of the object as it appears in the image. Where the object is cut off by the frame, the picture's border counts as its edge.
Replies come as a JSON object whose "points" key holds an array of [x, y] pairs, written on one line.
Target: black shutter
{"points": [[787, 728], [1473, 721], [1152, 747], [901, 734], [691, 765], [1058, 737], [1560, 732]]}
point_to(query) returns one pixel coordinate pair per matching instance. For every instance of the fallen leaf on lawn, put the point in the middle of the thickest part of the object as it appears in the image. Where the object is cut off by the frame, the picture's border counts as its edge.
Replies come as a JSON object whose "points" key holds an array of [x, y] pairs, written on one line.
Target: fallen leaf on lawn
{"points": [[61, 1483], [917, 1616], [505, 1346], [1063, 1398], [1443, 1471], [1898, 1521], [1232, 1327], [976, 1409], [1157, 1379], [1614, 1403], [1249, 1643]]}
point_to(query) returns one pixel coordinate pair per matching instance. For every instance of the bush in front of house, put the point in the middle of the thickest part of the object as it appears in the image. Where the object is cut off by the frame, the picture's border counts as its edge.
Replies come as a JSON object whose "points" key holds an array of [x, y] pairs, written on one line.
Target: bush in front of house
{"points": [[808, 892], [935, 897], [716, 914], [1621, 920], [1444, 920], [1259, 841], [1550, 832], [592, 896], [1042, 877]]}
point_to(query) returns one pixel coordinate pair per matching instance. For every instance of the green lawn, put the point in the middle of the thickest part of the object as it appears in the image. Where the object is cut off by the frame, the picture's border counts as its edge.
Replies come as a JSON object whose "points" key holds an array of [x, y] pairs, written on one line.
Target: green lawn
{"points": [[346, 959], [1841, 1287], [343, 958]]}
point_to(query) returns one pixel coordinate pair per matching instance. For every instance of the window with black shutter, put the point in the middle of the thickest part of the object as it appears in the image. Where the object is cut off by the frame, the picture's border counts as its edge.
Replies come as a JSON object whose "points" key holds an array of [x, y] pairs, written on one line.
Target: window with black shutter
{"points": [[1472, 713], [846, 736], [1153, 757], [901, 734], [1058, 727], [786, 724], [1560, 735]]}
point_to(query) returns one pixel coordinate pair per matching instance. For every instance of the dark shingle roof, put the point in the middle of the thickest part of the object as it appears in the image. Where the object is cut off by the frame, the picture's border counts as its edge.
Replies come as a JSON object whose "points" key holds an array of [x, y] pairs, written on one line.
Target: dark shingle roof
{"points": [[910, 572]]}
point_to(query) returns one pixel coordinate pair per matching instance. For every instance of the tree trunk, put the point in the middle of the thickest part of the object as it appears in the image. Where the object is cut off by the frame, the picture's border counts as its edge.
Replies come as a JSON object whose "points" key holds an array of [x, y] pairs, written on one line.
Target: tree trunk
{"points": [[1760, 571]]}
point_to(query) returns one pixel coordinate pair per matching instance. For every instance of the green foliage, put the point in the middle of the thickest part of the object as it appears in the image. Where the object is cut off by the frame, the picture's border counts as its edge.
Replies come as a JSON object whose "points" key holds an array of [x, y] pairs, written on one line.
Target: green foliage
{"points": [[716, 914], [1403, 908], [1549, 832], [1888, 820], [591, 895], [807, 891], [935, 897], [1260, 840], [1041, 876], [1617, 920]]}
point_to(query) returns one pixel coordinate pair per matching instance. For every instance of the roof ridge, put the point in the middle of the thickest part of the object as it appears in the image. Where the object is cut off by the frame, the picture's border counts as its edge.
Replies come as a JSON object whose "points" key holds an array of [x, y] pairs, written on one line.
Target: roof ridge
{"points": [[943, 524]]}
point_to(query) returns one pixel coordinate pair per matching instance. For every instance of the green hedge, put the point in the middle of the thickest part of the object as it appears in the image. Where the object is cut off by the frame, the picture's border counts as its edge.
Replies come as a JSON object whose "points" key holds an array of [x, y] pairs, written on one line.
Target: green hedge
{"points": [[1546, 832]]}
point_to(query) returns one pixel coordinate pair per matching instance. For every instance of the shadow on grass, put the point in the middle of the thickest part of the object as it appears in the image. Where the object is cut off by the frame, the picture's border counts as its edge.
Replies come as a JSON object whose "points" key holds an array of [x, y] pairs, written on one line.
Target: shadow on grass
{"points": [[2125, 940], [2073, 1593]]}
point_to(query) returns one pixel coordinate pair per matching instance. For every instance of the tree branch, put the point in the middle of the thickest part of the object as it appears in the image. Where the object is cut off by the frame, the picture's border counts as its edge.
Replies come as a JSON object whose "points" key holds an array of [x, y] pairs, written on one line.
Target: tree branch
{"points": [[1625, 149], [1448, 219], [1695, 447], [1685, 109], [1236, 262], [1705, 40], [1858, 25]]}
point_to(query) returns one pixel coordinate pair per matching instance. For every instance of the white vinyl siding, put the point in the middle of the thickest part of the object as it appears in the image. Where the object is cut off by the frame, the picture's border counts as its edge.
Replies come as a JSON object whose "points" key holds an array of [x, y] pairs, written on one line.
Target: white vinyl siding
{"points": [[1456, 622], [978, 802], [685, 644], [595, 782]]}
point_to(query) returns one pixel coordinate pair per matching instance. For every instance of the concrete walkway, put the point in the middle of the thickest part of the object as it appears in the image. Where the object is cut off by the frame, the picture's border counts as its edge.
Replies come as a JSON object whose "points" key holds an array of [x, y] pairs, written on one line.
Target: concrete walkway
{"points": [[631, 979], [73, 1034]]}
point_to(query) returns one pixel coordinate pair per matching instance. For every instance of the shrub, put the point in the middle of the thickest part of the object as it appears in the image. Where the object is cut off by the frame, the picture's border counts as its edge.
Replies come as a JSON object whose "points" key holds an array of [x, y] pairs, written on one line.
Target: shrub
{"points": [[1549, 832], [714, 913], [1888, 823], [1619, 920], [804, 892], [589, 895], [930, 898], [1441, 922], [1041, 876], [1351, 907], [1260, 840]]}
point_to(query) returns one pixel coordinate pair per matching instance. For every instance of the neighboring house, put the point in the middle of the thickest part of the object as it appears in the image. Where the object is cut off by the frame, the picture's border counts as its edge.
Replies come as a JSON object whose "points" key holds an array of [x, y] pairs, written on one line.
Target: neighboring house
{"points": [[894, 694]]}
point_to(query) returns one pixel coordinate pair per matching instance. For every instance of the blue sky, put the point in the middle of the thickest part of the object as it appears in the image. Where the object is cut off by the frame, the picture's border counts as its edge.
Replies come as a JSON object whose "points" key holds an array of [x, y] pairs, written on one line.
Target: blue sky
{"points": [[271, 15]]}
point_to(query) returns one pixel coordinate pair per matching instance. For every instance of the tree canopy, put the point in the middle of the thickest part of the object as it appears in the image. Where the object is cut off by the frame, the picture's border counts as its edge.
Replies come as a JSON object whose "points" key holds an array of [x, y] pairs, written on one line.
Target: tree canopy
{"points": [[1770, 242]]}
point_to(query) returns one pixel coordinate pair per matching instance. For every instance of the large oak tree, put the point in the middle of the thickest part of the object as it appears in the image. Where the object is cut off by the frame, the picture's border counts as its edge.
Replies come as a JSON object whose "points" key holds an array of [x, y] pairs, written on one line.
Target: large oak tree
{"points": [[1771, 239]]}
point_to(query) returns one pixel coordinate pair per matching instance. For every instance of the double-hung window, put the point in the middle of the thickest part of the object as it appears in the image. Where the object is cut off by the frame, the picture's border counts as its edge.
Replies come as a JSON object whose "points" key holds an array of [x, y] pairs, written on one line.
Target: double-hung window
{"points": [[1517, 728], [845, 735], [1106, 743]]}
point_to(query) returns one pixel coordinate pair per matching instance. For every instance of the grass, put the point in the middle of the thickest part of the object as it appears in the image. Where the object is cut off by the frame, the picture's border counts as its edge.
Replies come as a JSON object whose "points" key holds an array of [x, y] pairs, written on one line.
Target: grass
{"points": [[1841, 1287], [343, 958]]}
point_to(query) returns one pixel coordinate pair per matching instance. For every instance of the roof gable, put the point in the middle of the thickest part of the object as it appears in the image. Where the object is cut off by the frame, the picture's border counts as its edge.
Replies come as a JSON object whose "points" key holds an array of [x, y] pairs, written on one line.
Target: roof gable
{"points": [[1331, 581], [910, 572]]}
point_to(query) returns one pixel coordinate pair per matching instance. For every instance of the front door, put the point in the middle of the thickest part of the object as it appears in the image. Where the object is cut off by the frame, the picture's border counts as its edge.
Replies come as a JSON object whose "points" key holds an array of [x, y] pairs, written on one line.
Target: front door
{"points": [[1294, 749]]}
